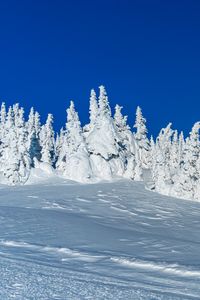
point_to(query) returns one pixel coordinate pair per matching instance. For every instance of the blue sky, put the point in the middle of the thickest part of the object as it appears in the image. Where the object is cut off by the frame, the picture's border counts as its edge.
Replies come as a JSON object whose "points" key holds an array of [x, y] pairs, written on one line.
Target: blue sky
{"points": [[145, 52]]}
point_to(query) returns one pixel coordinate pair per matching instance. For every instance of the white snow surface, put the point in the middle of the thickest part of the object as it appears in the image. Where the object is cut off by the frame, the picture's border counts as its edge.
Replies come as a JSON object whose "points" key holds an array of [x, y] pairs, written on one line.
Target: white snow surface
{"points": [[111, 240]]}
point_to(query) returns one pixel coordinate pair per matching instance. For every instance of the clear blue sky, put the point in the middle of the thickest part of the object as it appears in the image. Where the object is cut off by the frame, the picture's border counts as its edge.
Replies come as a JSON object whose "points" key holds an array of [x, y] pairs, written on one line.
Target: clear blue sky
{"points": [[145, 52]]}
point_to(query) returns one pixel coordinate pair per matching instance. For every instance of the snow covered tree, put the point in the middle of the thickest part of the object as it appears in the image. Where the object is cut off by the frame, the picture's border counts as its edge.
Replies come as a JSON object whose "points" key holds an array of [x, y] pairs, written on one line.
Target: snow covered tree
{"points": [[2, 119], [120, 120], [8, 123], [16, 167], [126, 143], [94, 109], [33, 131], [60, 140], [73, 159], [181, 147], [23, 152], [152, 150], [37, 124], [161, 160], [93, 113], [10, 158], [174, 154], [189, 174], [31, 123], [73, 127], [47, 141], [2, 128], [103, 141], [152, 175], [104, 107], [3, 113], [142, 145]]}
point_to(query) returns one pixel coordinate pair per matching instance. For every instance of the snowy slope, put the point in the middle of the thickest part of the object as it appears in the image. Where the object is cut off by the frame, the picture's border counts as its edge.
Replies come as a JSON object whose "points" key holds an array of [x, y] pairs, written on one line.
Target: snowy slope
{"points": [[61, 240]]}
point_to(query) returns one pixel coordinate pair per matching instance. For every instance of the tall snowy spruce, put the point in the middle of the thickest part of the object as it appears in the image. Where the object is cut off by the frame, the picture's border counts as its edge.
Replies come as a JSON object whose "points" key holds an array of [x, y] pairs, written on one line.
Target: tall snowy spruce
{"points": [[161, 175], [47, 141], [104, 142], [94, 109], [127, 143], [187, 181], [73, 160], [15, 156], [33, 129], [3, 115], [142, 145], [93, 113], [60, 138]]}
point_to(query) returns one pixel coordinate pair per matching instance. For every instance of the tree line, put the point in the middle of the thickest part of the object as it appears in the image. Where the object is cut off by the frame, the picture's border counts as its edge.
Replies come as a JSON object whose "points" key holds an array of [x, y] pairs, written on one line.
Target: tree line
{"points": [[103, 149]]}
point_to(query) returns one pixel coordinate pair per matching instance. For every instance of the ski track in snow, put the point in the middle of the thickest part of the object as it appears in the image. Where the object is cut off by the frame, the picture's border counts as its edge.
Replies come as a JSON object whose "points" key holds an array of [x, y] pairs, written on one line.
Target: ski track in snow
{"points": [[100, 241]]}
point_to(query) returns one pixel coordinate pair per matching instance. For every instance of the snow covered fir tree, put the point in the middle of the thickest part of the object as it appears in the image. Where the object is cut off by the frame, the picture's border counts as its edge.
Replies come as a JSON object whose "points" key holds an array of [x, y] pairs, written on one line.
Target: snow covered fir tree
{"points": [[104, 149]]}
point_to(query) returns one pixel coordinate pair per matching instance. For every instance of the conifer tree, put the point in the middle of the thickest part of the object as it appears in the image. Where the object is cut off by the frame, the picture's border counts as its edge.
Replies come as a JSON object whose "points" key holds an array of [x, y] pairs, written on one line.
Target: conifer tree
{"points": [[189, 172], [2, 119], [37, 124], [93, 113], [74, 154], [174, 154], [142, 145], [161, 159], [60, 140], [47, 141], [120, 120], [126, 143], [103, 141], [2, 129], [94, 109], [31, 123], [104, 107], [16, 159], [33, 130], [181, 146]]}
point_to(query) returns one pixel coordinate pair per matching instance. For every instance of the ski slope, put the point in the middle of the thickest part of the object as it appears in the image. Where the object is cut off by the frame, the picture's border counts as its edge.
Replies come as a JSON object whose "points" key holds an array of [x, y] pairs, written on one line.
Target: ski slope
{"points": [[62, 240]]}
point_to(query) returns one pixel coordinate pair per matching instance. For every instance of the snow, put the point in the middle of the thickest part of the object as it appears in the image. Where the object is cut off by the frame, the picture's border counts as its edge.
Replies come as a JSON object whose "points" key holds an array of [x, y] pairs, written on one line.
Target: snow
{"points": [[117, 240], [104, 149]]}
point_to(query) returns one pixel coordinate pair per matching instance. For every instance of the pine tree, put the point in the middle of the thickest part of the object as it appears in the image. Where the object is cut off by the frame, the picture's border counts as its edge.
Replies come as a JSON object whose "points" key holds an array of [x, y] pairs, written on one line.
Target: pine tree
{"points": [[59, 144], [24, 161], [104, 107], [47, 141], [103, 141], [2, 119], [37, 124], [31, 123], [93, 113], [142, 145], [174, 154], [150, 182], [16, 159], [94, 109], [188, 177], [3, 115], [33, 130], [161, 160], [126, 143], [74, 154], [181, 147], [120, 120]]}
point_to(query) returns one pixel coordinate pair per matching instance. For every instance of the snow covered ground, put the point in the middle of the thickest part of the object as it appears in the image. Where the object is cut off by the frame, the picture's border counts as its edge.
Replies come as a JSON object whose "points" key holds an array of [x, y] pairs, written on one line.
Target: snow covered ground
{"points": [[62, 240]]}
